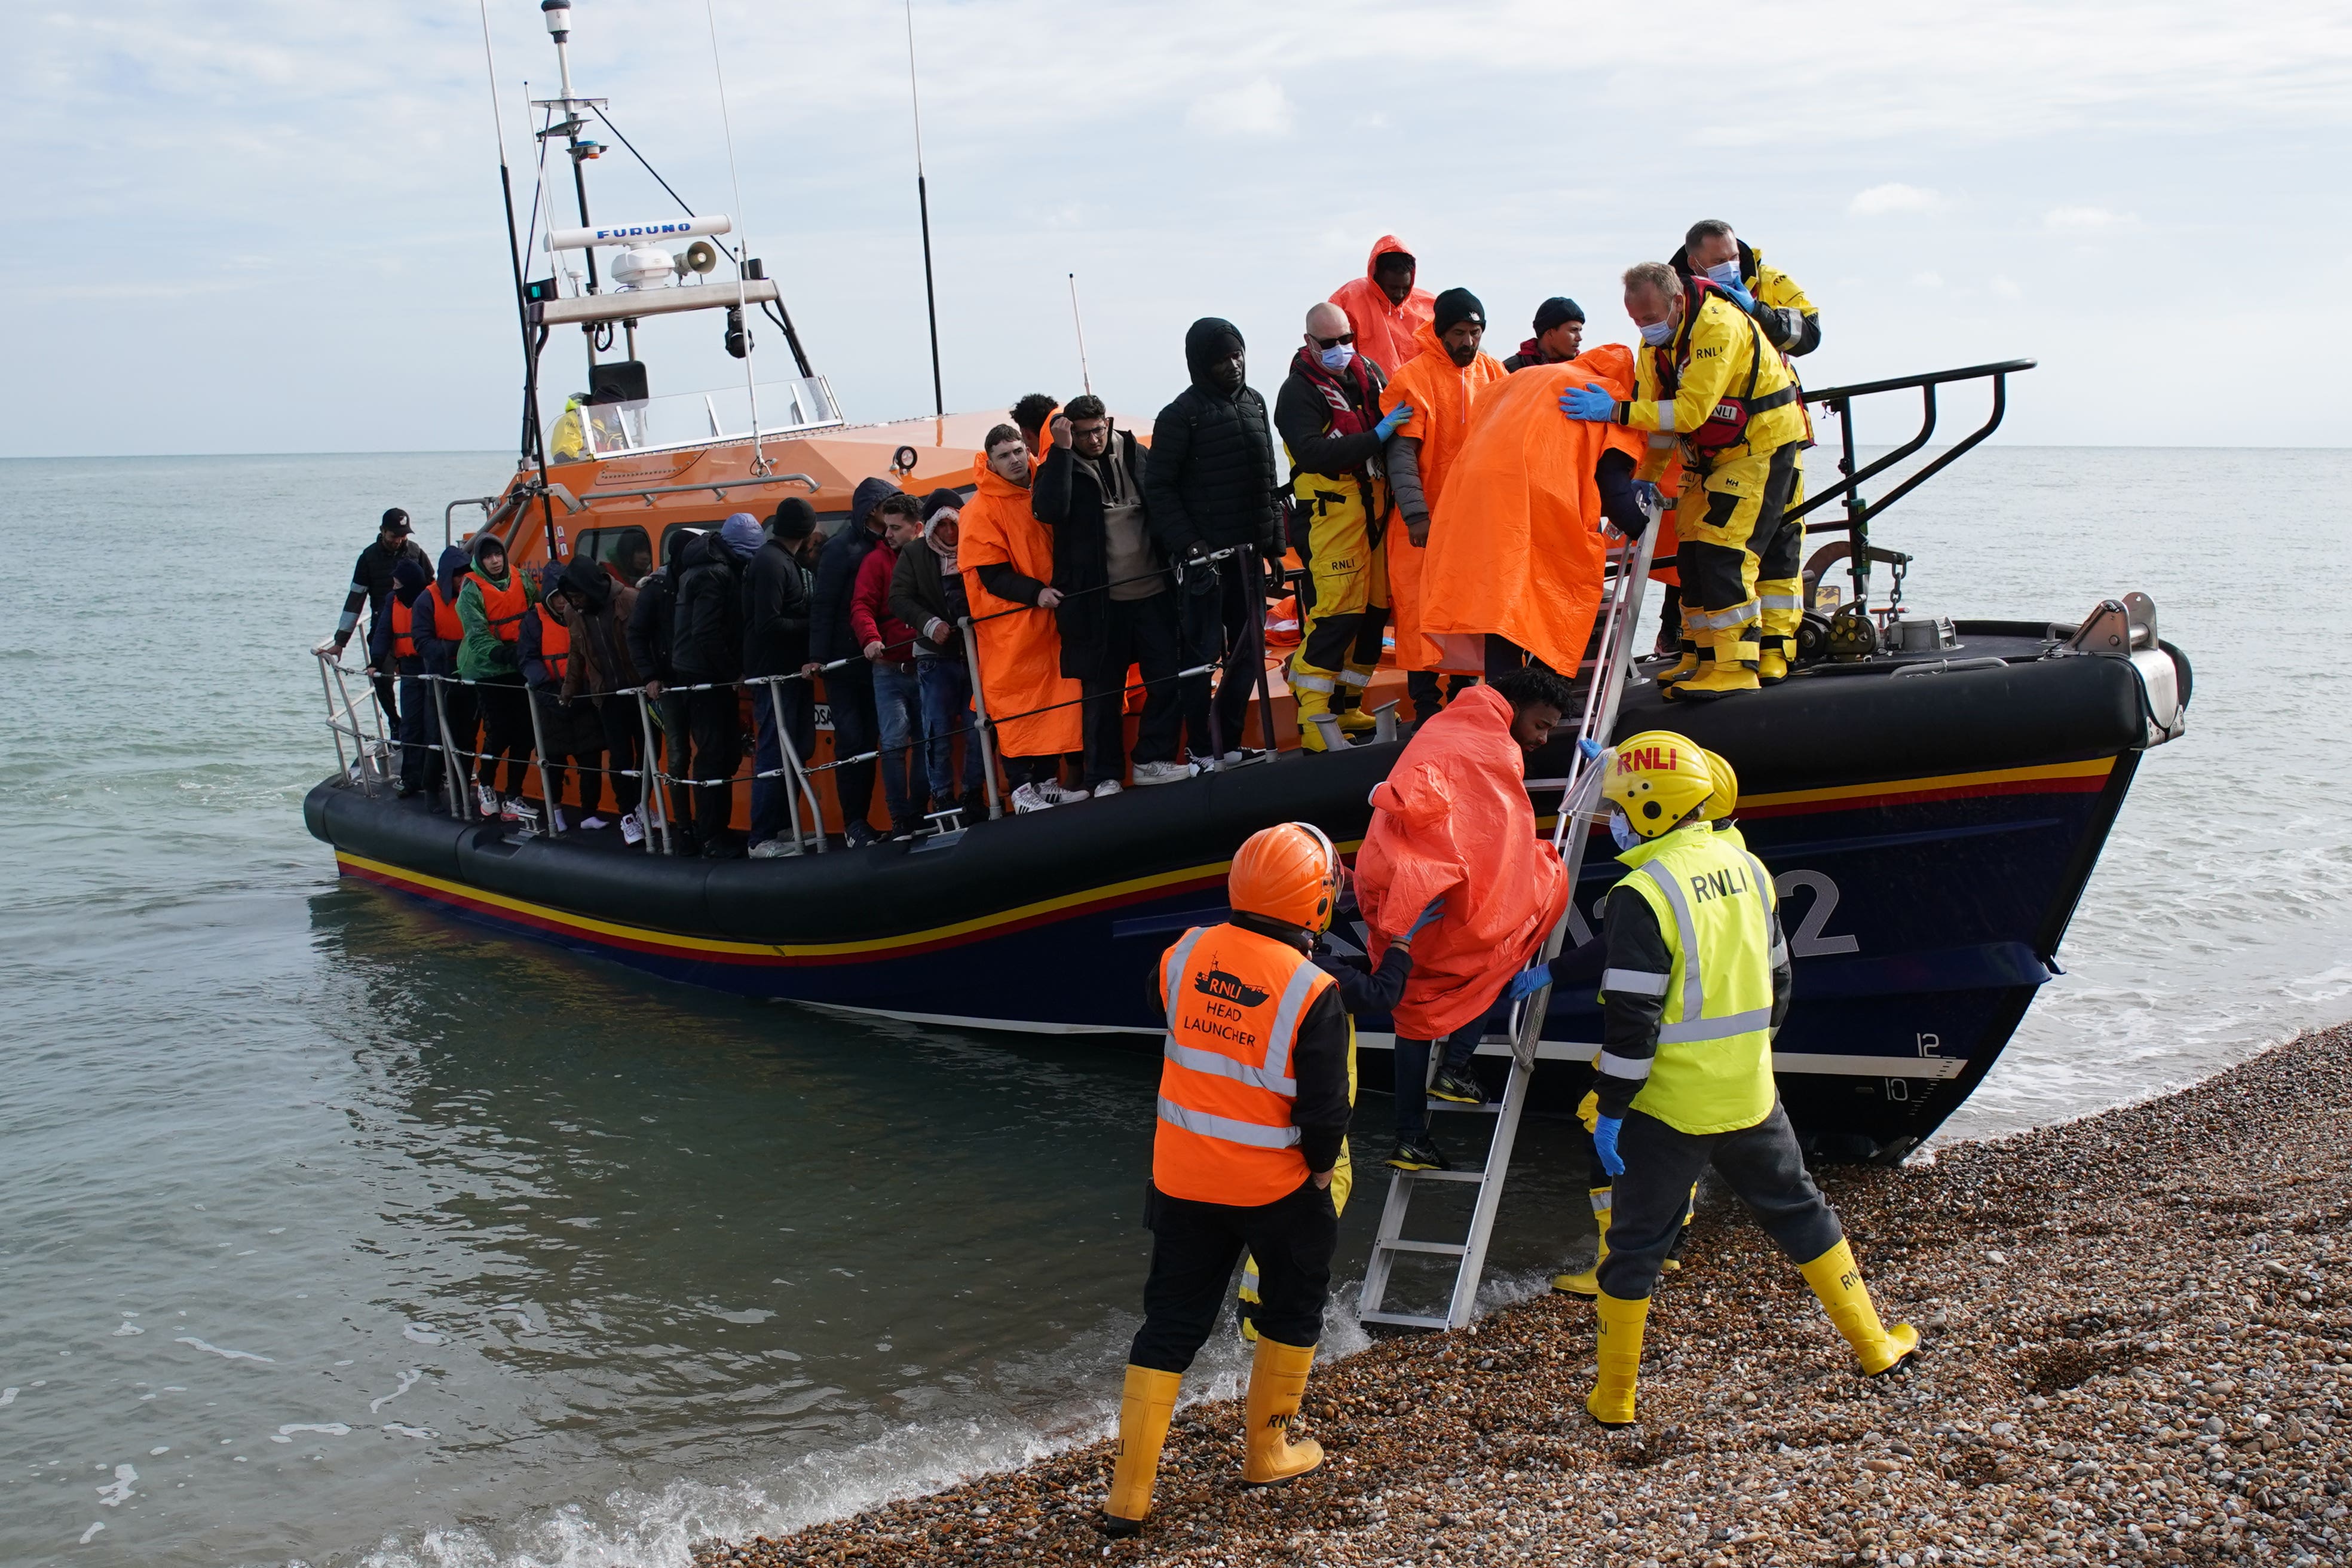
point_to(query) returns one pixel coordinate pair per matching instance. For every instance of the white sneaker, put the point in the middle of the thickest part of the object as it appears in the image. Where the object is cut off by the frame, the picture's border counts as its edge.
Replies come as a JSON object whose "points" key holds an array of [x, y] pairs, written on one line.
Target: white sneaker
{"points": [[486, 799], [591, 823], [518, 810], [556, 814], [633, 831], [1148, 774], [1108, 787], [1060, 794], [1030, 797], [774, 849]]}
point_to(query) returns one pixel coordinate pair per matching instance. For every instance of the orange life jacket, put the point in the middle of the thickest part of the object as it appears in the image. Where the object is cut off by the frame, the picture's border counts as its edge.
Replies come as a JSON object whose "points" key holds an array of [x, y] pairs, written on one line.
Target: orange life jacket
{"points": [[1234, 1000], [446, 624], [504, 607], [404, 640], [555, 643]]}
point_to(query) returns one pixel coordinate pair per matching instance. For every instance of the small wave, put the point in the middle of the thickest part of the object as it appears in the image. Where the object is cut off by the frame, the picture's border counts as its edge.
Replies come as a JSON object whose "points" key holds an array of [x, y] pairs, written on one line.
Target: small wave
{"points": [[232, 1355]]}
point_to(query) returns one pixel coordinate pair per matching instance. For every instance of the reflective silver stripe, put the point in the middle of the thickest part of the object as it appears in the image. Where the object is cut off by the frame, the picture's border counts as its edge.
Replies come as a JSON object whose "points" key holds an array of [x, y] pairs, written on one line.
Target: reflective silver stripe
{"points": [[1604, 1199], [1666, 415], [1780, 601], [1694, 994], [1713, 1028], [1778, 954], [1634, 1067], [1633, 982], [1302, 681], [1356, 676], [1719, 619], [1225, 1128], [1219, 1065], [1660, 439], [1286, 1021], [1172, 968]]}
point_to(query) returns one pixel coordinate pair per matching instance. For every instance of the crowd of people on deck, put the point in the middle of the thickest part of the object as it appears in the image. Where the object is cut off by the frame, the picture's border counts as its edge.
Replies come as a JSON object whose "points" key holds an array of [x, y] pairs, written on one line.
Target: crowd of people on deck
{"points": [[1446, 506]]}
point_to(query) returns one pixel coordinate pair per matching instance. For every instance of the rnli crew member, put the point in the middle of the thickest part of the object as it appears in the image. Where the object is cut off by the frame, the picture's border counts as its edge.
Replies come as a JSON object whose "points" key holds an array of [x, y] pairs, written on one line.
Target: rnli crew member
{"points": [[568, 732], [652, 639], [849, 691], [1697, 981], [1034, 415], [599, 675], [1209, 485], [567, 442], [1435, 389], [433, 620], [1253, 1119], [777, 594], [707, 649], [1789, 319], [1119, 605], [370, 587], [492, 602], [1384, 310], [1707, 377], [1559, 335], [393, 648], [1329, 415]]}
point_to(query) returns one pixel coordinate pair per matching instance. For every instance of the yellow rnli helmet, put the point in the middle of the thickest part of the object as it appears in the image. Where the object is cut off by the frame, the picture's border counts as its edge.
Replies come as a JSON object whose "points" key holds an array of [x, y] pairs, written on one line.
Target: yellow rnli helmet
{"points": [[1720, 803], [1657, 778]]}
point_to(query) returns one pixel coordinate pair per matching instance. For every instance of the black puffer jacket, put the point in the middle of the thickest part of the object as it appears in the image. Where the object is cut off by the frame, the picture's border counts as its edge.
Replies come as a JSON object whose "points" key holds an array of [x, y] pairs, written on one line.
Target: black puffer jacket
{"points": [[707, 644], [1209, 481], [831, 636], [776, 604]]}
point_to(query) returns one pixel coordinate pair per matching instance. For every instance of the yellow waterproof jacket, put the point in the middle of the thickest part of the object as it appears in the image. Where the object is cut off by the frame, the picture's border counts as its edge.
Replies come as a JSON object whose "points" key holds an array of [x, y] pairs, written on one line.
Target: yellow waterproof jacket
{"points": [[1791, 319], [1718, 361]]}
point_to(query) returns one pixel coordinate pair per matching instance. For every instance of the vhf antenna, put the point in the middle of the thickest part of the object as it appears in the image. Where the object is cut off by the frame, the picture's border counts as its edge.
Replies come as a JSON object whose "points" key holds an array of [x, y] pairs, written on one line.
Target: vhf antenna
{"points": [[923, 204], [1074, 321]]}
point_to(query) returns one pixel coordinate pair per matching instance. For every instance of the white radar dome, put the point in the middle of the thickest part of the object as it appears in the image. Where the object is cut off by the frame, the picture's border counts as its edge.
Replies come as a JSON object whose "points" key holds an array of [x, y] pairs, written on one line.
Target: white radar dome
{"points": [[644, 265]]}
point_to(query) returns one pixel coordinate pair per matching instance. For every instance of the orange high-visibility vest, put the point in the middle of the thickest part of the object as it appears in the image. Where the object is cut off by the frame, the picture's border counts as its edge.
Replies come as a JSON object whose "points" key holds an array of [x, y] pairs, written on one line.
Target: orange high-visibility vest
{"points": [[554, 642], [1234, 1002], [503, 607], [403, 639]]}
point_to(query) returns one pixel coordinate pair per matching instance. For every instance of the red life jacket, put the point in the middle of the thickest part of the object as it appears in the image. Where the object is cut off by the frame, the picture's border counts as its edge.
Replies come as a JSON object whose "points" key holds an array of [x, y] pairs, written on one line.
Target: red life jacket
{"points": [[1353, 401], [446, 624], [555, 643], [503, 607], [403, 639], [1727, 426]]}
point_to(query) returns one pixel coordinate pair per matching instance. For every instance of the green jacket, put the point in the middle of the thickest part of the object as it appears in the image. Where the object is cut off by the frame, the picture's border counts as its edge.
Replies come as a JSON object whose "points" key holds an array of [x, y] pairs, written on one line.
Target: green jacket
{"points": [[481, 652]]}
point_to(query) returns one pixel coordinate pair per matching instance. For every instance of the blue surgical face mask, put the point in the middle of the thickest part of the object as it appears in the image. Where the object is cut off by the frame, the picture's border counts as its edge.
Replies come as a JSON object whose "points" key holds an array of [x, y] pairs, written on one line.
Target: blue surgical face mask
{"points": [[1658, 334], [1338, 358], [1725, 272], [1620, 829]]}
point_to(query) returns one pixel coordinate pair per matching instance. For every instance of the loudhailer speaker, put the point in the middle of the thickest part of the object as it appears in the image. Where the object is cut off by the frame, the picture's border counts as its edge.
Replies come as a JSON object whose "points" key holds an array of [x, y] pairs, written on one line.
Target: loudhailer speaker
{"points": [[701, 256]]}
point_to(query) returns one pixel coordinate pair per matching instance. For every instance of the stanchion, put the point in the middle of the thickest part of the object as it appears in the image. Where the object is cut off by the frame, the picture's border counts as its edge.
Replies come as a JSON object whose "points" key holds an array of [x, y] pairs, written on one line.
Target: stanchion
{"points": [[652, 801], [539, 757], [449, 770], [983, 730]]}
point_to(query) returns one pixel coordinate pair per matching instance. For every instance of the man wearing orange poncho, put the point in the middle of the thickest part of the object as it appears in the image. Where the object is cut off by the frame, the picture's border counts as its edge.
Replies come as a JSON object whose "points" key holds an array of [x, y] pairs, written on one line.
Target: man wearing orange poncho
{"points": [[1436, 387], [1515, 551], [1384, 308], [1007, 559], [1452, 822]]}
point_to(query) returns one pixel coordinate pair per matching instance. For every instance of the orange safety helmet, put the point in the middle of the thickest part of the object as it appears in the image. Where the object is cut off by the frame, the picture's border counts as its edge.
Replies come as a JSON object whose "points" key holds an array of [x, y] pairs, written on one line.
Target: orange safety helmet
{"points": [[1288, 873]]}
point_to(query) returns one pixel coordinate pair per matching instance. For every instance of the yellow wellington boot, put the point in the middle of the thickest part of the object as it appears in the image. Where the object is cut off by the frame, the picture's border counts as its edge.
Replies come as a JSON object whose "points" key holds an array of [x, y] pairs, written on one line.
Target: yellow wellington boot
{"points": [[1836, 1279], [1618, 1343], [1347, 705], [1318, 727], [1277, 1383], [1588, 1282], [1729, 658], [1771, 661], [1145, 1406]]}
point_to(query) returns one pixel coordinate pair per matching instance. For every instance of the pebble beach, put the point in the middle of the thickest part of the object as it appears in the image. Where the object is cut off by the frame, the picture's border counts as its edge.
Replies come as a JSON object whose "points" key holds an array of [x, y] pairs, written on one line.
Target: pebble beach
{"points": [[2138, 1348]]}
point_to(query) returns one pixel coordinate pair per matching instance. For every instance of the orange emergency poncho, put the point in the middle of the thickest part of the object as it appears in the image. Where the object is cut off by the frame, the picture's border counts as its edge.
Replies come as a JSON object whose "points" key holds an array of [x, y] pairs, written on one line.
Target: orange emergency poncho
{"points": [[1451, 820], [1021, 653], [1442, 394], [1514, 545], [1384, 331]]}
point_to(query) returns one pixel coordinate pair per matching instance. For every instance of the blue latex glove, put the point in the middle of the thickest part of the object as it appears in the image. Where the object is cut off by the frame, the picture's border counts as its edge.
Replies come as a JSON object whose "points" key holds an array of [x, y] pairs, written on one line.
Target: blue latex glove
{"points": [[1605, 1144], [1392, 419], [1738, 291], [1428, 917], [1590, 402], [1648, 498], [1527, 983]]}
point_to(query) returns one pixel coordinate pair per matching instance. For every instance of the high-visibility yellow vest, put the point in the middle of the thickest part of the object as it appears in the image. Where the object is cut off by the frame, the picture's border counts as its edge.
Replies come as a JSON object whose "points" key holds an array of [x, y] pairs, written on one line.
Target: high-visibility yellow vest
{"points": [[1713, 901]]}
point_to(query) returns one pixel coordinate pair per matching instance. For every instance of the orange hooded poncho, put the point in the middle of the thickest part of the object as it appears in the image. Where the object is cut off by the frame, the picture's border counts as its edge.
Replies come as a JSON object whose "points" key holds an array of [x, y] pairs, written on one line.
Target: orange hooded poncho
{"points": [[1021, 653], [1451, 820], [1384, 331], [1441, 393], [1514, 545]]}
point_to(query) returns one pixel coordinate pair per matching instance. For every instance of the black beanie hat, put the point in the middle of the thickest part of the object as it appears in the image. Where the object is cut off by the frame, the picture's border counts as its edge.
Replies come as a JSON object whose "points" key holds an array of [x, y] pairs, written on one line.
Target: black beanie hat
{"points": [[795, 520], [940, 500], [1456, 306], [1557, 311]]}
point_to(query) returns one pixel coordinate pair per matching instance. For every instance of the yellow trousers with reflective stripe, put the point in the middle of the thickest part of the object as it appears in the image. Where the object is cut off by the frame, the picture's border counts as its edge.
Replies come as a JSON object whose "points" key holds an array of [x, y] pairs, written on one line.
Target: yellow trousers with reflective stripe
{"points": [[1339, 638], [1727, 526]]}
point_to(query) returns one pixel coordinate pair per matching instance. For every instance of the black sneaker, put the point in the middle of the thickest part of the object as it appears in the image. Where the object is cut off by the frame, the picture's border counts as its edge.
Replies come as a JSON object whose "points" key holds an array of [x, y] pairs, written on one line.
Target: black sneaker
{"points": [[858, 835], [1417, 1154], [1457, 1086]]}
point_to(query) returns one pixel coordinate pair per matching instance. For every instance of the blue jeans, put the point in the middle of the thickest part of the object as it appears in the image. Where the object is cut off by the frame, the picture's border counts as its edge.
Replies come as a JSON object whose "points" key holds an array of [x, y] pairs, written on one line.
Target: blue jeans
{"points": [[898, 714], [947, 706], [771, 813]]}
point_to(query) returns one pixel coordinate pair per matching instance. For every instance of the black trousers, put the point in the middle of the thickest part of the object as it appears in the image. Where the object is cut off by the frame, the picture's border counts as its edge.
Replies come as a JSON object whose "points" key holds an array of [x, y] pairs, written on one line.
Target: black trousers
{"points": [[383, 698], [624, 739], [1225, 618], [1411, 1062], [856, 730], [1194, 1248], [574, 735], [677, 738], [1761, 1163], [464, 713], [1428, 696], [715, 720], [506, 731], [1135, 632]]}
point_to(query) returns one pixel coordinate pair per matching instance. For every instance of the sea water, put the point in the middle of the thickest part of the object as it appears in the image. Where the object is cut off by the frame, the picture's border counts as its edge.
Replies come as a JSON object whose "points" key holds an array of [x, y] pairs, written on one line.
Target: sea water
{"points": [[334, 1232]]}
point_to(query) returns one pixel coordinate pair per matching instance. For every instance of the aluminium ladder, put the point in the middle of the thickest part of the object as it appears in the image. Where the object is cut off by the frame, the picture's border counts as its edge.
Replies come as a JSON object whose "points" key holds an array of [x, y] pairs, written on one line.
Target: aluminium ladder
{"points": [[1629, 578]]}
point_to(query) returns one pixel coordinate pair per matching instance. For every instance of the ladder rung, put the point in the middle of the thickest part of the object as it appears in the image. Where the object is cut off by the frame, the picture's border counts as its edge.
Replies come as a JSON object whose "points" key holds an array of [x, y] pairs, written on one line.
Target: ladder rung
{"points": [[1402, 1320], [1449, 1248], [1441, 1175], [1492, 1108]]}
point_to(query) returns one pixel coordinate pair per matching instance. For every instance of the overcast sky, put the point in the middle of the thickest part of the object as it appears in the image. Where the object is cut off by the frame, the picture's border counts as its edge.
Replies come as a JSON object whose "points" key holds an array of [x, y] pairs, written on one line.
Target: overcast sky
{"points": [[273, 225]]}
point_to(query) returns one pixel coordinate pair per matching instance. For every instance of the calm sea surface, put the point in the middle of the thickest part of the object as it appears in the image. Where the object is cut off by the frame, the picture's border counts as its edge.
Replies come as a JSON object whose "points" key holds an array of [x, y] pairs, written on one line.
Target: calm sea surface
{"points": [[333, 1233]]}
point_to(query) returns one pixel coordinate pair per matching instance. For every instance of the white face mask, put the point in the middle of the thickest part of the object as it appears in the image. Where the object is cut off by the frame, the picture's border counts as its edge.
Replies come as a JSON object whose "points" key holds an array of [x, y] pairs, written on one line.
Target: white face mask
{"points": [[1338, 358], [1658, 334], [1725, 272], [1620, 829]]}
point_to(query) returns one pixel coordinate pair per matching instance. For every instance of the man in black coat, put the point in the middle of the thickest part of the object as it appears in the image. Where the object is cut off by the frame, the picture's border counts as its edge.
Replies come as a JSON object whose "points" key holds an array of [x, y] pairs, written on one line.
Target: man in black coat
{"points": [[778, 596], [849, 691], [370, 587], [650, 629], [1209, 485], [707, 649], [1118, 607]]}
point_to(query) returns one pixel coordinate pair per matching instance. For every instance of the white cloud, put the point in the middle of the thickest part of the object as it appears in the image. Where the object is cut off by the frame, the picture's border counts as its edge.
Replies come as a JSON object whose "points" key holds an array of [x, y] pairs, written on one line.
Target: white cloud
{"points": [[1257, 107], [2086, 220], [1894, 197], [1927, 281], [2004, 287]]}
